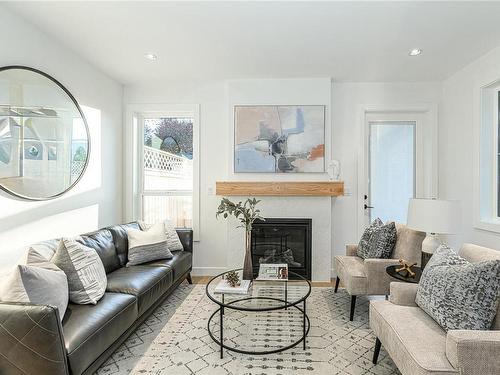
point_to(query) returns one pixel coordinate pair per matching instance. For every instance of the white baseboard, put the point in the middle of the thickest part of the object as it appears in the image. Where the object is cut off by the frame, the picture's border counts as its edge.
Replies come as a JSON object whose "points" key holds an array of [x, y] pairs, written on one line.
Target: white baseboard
{"points": [[207, 271]]}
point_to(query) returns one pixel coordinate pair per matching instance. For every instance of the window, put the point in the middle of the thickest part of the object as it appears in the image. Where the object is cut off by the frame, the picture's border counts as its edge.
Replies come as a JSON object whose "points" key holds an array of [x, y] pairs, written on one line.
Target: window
{"points": [[167, 170], [488, 150], [497, 151], [162, 164], [392, 169]]}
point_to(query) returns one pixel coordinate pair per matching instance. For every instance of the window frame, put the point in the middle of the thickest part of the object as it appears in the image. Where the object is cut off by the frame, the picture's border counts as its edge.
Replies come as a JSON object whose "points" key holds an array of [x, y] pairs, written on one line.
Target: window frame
{"points": [[486, 184], [134, 137]]}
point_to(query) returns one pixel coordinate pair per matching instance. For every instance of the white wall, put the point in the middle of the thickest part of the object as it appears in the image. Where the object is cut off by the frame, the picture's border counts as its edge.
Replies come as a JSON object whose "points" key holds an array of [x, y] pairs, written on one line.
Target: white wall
{"points": [[459, 117], [96, 200], [212, 253]]}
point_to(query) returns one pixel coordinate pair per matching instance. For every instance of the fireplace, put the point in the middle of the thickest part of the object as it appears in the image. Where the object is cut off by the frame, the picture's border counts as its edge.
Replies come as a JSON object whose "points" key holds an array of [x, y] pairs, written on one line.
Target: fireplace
{"points": [[283, 240]]}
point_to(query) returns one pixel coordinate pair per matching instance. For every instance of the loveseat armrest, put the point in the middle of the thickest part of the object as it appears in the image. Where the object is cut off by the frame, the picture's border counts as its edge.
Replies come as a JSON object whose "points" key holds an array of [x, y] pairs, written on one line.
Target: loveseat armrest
{"points": [[403, 294], [378, 279], [473, 352], [351, 250], [186, 237], [31, 340]]}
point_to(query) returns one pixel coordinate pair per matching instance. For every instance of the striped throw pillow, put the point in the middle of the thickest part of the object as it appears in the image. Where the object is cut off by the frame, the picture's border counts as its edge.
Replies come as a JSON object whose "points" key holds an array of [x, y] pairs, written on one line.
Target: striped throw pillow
{"points": [[84, 269], [146, 246]]}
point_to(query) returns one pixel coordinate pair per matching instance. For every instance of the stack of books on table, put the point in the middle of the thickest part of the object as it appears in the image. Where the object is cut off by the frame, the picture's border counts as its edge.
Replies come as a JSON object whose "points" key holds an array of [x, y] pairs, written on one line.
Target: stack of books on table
{"points": [[224, 288], [273, 271]]}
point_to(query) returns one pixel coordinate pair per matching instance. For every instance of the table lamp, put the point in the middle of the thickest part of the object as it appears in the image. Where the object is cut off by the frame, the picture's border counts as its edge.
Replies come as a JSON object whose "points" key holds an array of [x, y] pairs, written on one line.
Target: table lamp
{"points": [[435, 217]]}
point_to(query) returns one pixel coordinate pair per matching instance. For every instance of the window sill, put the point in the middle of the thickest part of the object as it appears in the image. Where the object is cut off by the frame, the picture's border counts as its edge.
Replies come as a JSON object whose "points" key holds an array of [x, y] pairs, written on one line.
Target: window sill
{"points": [[488, 225]]}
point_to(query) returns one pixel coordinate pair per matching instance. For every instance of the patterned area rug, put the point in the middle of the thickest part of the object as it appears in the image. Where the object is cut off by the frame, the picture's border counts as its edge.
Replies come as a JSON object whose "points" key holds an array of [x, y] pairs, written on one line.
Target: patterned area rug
{"points": [[175, 341]]}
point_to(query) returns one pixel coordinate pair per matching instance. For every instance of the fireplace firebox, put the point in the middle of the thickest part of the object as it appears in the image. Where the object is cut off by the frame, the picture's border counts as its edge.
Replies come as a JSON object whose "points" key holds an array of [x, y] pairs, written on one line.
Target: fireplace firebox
{"points": [[282, 240]]}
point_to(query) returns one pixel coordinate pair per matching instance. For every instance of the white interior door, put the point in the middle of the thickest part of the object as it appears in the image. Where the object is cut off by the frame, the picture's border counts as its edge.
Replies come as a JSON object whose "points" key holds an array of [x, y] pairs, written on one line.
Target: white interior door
{"points": [[394, 165]]}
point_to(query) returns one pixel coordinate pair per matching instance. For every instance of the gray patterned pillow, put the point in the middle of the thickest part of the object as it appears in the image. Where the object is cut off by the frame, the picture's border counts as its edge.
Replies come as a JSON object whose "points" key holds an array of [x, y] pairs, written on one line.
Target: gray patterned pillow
{"points": [[382, 241], [173, 241], [458, 294], [364, 242], [86, 275]]}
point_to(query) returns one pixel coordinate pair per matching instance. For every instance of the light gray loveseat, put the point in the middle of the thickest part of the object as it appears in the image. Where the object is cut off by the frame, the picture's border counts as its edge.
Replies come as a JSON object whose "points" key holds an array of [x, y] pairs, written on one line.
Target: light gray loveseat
{"points": [[418, 345]]}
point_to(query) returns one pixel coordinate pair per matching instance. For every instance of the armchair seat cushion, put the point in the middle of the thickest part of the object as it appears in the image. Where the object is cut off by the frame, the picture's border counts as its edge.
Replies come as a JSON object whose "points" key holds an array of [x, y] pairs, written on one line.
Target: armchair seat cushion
{"points": [[144, 282], [351, 270], [90, 329], [415, 342], [179, 264]]}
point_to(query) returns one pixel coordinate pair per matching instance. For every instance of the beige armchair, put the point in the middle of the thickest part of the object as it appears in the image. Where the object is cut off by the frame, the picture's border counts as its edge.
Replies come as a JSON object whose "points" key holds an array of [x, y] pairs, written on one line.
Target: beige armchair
{"points": [[368, 276], [418, 345]]}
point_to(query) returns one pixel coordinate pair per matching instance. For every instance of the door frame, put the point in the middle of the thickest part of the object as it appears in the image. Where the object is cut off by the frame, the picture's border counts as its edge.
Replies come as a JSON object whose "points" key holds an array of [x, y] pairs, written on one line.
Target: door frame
{"points": [[427, 116]]}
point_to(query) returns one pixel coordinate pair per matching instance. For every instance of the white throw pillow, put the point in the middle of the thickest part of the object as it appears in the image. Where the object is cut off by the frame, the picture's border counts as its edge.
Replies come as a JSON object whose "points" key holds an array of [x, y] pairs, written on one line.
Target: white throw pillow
{"points": [[86, 275], [42, 283], [146, 246], [173, 241]]}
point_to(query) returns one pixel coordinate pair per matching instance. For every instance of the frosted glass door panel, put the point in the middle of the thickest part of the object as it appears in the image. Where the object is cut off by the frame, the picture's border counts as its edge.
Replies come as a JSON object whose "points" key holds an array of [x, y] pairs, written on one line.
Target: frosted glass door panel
{"points": [[392, 169]]}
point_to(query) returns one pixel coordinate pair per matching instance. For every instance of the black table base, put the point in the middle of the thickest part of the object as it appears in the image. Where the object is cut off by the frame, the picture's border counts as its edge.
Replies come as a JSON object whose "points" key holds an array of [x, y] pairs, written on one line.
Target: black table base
{"points": [[306, 325]]}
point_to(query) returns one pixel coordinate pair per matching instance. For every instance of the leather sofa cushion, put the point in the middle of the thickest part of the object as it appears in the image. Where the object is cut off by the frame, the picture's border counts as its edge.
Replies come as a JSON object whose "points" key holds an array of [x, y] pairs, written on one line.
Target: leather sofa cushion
{"points": [[119, 233], [147, 283], [102, 242], [179, 264], [90, 329]]}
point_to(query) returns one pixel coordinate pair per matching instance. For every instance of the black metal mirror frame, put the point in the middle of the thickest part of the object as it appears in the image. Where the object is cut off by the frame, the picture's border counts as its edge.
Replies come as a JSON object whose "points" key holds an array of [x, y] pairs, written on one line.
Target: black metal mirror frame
{"points": [[67, 92]]}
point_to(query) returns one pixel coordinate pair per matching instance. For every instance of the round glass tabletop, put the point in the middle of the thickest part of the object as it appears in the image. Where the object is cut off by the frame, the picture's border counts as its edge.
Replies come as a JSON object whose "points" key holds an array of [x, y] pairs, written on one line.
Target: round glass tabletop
{"points": [[263, 295]]}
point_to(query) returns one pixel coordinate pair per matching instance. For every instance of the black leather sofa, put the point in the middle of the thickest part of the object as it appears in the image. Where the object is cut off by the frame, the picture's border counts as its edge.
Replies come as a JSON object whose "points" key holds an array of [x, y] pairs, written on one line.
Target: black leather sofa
{"points": [[34, 341]]}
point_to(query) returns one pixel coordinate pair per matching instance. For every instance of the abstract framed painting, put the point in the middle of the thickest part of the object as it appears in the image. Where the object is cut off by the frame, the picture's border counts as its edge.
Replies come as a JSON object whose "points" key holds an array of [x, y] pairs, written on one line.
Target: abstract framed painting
{"points": [[279, 138]]}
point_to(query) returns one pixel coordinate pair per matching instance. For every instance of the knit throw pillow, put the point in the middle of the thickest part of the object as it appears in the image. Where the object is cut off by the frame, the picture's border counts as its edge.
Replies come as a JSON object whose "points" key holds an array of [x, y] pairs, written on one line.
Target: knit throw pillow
{"points": [[364, 243], [458, 294], [382, 241]]}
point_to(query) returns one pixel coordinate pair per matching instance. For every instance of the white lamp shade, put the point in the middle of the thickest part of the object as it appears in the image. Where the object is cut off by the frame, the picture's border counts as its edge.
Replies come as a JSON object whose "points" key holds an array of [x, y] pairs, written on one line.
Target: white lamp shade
{"points": [[434, 216]]}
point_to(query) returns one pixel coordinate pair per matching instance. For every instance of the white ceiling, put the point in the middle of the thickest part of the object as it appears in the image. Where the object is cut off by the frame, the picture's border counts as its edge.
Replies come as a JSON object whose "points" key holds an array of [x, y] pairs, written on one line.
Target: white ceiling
{"points": [[349, 41]]}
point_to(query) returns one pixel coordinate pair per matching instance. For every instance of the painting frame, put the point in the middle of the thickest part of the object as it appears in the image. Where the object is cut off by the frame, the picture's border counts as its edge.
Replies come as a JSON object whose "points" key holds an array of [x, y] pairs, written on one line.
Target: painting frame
{"points": [[285, 163]]}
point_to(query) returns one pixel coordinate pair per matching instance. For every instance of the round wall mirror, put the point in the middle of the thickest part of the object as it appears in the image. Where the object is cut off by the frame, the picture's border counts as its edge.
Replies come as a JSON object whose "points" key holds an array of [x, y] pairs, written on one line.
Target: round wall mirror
{"points": [[44, 137]]}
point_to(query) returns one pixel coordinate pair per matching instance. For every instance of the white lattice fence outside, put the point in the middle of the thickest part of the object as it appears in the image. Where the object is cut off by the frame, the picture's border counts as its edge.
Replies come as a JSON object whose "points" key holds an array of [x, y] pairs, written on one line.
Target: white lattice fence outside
{"points": [[158, 160]]}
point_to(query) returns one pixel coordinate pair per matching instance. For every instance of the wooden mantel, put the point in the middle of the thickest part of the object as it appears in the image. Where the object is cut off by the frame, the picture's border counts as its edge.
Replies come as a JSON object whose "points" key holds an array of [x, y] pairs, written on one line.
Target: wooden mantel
{"points": [[282, 188]]}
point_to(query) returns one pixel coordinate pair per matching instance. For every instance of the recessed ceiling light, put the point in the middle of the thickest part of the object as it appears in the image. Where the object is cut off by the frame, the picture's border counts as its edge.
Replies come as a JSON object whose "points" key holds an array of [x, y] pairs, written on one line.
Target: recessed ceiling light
{"points": [[415, 52], [151, 56]]}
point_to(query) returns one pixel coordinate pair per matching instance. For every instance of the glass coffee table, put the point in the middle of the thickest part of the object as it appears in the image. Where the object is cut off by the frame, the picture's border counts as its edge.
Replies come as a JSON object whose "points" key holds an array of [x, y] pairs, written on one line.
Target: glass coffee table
{"points": [[270, 309]]}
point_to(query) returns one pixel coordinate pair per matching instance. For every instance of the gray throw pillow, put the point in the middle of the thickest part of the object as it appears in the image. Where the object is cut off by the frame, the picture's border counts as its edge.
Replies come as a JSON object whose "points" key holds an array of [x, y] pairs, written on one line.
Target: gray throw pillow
{"points": [[42, 284], [87, 279], [173, 241], [382, 241], [146, 246], [458, 294], [364, 242]]}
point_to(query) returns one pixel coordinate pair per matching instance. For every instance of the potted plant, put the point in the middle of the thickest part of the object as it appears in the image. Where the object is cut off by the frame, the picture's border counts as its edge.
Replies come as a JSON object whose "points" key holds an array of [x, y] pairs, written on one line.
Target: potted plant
{"points": [[246, 213]]}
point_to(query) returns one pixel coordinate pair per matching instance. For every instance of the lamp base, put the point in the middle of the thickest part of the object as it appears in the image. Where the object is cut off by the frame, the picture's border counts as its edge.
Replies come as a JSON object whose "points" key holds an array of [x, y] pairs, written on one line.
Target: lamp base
{"points": [[430, 243]]}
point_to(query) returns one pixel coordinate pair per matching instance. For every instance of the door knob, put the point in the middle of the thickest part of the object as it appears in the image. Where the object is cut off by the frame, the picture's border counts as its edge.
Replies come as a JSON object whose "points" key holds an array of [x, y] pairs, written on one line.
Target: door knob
{"points": [[366, 206]]}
